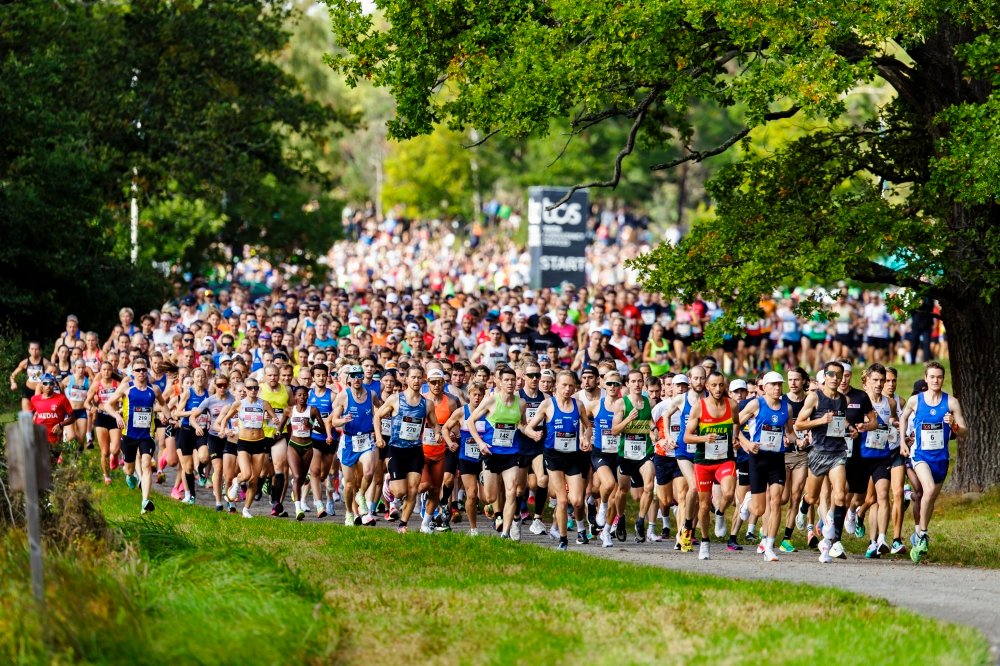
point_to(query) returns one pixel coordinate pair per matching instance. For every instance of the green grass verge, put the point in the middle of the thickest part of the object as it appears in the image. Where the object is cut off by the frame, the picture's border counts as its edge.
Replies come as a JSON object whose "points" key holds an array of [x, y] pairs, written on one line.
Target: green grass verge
{"points": [[204, 587]]}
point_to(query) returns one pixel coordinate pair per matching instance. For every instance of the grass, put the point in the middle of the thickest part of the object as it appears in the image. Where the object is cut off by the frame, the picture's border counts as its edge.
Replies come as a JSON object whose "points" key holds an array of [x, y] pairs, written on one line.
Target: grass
{"points": [[193, 586]]}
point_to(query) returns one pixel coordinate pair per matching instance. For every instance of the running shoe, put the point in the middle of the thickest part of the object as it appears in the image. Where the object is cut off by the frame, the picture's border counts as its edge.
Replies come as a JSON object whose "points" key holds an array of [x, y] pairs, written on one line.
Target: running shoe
{"points": [[232, 507], [703, 551], [524, 516], [202, 479], [336, 496], [665, 532], [505, 537], [320, 511], [219, 508], [425, 528], [812, 539], [732, 546], [800, 522], [761, 548], [837, 551], [829, 531], [563, 546], [591, 514], [652, 536], [684, 539], [537, 527], [330, 508], [917, 552], [177, 493], [161, 478], [113, 463], [640, 531], [369, 520], [392, 514], [907, 496], [281, 511], [570, 523], [515, 530], [897, 547], [401, 529], [621, 532], [606, 540], [300, 515], [234, 491], [750, 537], [349, 519], [824, 552], [883, 548], [850, 521], [720, 525], [786, 546], [473, 532], [554, 531], [913, 541], [246, 513], [581, 539], [745, 507], [189, 500], [148, 507], [872, 552], [265, 487], [769, 555], [455, 515], [444, 527], [859, 530], [602, 515], [498, 523]]}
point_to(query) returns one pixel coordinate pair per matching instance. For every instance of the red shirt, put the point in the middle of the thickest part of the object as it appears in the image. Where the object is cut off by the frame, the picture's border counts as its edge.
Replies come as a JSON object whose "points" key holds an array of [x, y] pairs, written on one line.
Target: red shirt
{"points": [[51, 411]]}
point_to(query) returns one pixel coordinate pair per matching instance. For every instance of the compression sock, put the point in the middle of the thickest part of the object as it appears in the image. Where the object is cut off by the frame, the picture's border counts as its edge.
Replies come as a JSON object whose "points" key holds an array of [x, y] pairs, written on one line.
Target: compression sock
{"points": [[277, 488], [688, 523], [804, 507], [788, 532], [839, 514], [189, 480]]}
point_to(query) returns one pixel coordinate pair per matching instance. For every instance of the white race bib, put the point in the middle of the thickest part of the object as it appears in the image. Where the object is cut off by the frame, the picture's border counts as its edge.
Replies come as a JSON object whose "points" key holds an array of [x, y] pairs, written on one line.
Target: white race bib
{"points": [[565, 442], [142, 418], [878, 438], [252, 418], [842, 327], [648, 317], [386, 426], [837, 427], [529, 413], [471, 449], [429, 438], [635, 447], [301, 426], [771, 437], [683, 330], [77, 394], [202, 420], [717, 449], [931, 436], [503, 434], [609, 443], [363, 442], [788, 326], [410, 428]]}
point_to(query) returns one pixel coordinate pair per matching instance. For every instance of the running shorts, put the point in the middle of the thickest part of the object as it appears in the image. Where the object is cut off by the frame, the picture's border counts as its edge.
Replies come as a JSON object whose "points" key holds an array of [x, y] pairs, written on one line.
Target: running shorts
{"points": [[631, 469], [573, 463], [766, 468], [821, 462], [500, 462], [599, 459], [132, 447], [706, 475], [405, 461], [666, 469]]}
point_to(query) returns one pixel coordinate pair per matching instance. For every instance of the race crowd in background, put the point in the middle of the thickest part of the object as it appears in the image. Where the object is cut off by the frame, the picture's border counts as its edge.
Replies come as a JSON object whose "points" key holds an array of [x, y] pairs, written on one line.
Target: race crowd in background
{"points": [[426, 376]]}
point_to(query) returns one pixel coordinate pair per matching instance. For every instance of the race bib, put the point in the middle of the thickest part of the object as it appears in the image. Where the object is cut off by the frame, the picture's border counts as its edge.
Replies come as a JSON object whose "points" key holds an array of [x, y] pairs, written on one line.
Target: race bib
{"points": [[691, 448], [363, 442], [410, 428], [842, 327], [878, 438], [471, 449], [202, 420], [684, 330], [253, 419], [932, 436], [142, 418], [503, 434], [648, 317], [635, 447], [480, 427], [301, 426], [77, 394], [565, 442], [771, 437], [717, 449], [893, 437], [386, 426], [609, 443], [429, 438], [837, 427], [788, 326], [529, 413]]}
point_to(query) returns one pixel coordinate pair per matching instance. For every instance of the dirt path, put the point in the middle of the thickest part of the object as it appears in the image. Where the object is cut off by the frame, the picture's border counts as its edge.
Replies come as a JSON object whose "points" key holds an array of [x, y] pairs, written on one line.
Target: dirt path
{"points": [[968, 596]]}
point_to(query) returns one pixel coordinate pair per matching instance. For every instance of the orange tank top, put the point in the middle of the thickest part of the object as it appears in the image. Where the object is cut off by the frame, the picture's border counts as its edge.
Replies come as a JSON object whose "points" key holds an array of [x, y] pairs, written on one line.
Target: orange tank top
{"points": [[442, 411]]}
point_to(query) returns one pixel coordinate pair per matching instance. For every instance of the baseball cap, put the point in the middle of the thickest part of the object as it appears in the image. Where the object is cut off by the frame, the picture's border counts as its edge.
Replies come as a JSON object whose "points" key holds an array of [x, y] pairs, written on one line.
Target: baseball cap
{"points": [[680, 379], [412, 328], [544, 358], [354, 370], [529, 294], [225, 358], [515, 348], [47, 377], [506, 309], [391, 297], [425, 299], [436, 373], [737, 385], [353, 319], [548, 373], [189, 300], [773, 378], [589, 370], [606, 332]]}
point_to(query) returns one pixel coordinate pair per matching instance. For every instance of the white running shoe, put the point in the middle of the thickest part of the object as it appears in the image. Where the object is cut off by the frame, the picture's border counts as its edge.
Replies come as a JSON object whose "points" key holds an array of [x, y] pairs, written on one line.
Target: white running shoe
{"points": [[850, 522], [769, 556], [761, 549], [362, 503], [800, 522], [837, 551], [824, 551], [720, 526], [703, 553], [246, 513], [515, 530], [554, 531], [537, 527], [426, 529], [349, 519], [651, 535], [473, 531], [606, 540], [745, 507], [233, 494], [602, 514]]}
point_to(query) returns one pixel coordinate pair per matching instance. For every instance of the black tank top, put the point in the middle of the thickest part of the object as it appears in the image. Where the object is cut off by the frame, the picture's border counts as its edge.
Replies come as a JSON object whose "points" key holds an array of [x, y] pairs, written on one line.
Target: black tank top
{"points": [[820, 439]]}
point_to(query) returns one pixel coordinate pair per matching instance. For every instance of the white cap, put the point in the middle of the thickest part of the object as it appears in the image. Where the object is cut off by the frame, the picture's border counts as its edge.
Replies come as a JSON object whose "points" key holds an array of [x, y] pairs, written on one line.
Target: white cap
{"points": [[737, 385], [819, 376], [353, 319], [436, 373], [425, 299], [680, 379], [529, 294], [412, 328], [773, 378], [354, 369], [505, 309], [391, 297], [514, 348], [846, 366]]}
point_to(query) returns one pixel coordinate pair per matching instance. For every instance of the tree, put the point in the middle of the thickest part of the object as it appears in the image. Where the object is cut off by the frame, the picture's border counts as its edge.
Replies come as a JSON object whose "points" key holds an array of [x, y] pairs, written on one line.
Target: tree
{"points": [[919, 181]]}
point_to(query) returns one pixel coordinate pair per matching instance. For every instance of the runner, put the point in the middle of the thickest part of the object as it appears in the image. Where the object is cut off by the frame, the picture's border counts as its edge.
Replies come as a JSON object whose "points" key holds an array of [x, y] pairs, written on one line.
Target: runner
{"points": [[633, 423], [671, 487], [795, 461], [106, 429], [711, 427], [469, 457], [877, 457], [353, 410], [771, 434], [325, 440], [76, 387], [212, 407], [684, 452], [567, 447], [503, 411], [825, 414], [935, 416], [530, 466], [604, 455], [432, 476], [897, 464], [188, 439], [861, 416], [301, 419], [277, 395], [53, 411], [33, 368], [251, 446], [132, 406]]}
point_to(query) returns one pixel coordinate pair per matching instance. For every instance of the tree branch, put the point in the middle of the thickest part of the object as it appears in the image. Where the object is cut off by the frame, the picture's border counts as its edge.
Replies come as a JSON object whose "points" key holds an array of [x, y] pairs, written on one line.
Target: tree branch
{"points": [[701, 155], [640, 115], [875, 272], [480, 142]]}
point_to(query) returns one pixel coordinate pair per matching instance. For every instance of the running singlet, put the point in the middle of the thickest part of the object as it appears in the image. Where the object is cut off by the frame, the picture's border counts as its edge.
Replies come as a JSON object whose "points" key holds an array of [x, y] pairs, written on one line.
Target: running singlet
{"points": [[193, 401], [359, 432], [829, 437], [278, 399], [793, 413], [432, 440], [137, 410], [408, 423], [504, 421], [685, 450], [720, 449], [525, 444], [252, 416], [932, 433], [468, 449], [875, 443], [213, 406], [635, 443], [77, 392], [301, 423], [604, 441], [562, 432], [769, 426], [323, 402]]}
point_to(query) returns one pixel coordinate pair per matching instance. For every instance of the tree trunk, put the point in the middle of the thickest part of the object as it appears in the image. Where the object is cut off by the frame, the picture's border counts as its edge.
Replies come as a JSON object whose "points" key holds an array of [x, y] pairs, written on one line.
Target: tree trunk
{"points": [[973, 330]]}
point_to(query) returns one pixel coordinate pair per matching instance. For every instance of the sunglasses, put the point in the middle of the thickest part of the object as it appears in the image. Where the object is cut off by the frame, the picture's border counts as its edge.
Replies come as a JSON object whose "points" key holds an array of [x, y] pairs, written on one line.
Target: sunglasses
{"points": [[188, 340], [48, 383], [252, 388], [221, 385], [612, 383], [356, 375], [140, 369], [227, 344], [435, 382], [532, 375]]}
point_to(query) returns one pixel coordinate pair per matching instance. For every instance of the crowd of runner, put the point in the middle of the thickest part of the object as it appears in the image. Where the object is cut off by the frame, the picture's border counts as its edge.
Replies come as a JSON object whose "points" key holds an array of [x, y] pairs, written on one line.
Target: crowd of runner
{"points": [[461, 399]]}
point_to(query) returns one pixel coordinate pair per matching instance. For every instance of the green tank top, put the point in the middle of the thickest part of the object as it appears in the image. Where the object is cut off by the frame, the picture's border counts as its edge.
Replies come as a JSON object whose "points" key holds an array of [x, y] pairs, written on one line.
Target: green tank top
{"points": [[635, 442], [659, 369], [504, 420]]}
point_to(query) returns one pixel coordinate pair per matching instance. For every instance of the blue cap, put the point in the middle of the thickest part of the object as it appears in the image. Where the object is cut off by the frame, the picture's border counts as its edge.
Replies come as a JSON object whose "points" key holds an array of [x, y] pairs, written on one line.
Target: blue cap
{"points": [[47, 377], [606, 332]]}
